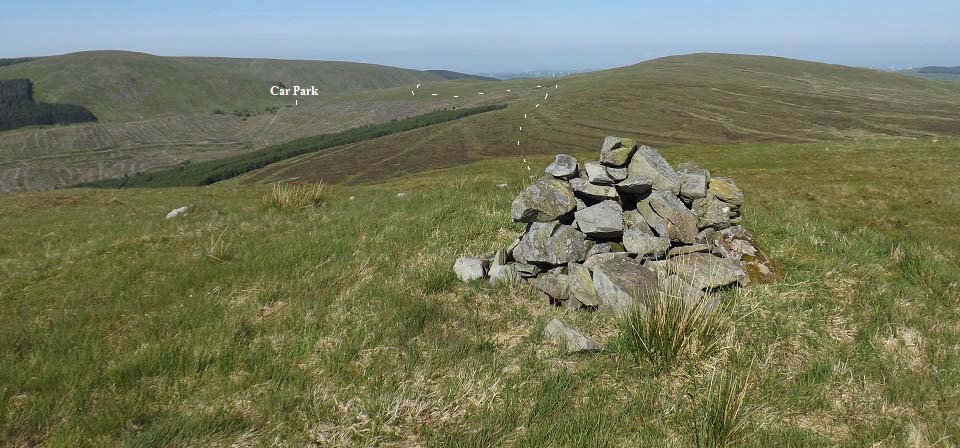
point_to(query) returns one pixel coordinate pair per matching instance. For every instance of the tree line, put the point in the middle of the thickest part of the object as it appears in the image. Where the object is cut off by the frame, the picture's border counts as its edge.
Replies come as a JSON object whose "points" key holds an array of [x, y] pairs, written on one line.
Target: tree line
{"points": [[209, 172], [18, 109]]}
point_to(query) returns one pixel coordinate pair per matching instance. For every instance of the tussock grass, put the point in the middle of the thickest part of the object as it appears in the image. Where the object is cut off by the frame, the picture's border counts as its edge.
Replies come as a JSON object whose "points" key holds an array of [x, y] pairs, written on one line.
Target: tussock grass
{"points": [[678, 323], [219, 248], [723, 419], [295, 196]]}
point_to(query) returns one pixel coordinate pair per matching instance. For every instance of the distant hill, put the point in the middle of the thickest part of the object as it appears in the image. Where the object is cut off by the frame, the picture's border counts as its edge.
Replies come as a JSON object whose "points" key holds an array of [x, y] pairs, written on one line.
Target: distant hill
{"points": [[680, 100], [118, 85], [18, 109], [450, 76], [935, 72]]}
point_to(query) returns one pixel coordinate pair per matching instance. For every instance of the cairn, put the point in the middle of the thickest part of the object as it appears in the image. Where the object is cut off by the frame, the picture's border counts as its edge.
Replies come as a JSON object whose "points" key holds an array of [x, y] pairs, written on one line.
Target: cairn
{"points": [[604, 234]]}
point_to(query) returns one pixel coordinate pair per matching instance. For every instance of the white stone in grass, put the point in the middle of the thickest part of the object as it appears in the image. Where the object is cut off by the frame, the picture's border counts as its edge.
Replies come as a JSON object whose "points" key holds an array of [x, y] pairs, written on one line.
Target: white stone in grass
{"points": [[569, 338], [177, 212], [469, 269]]}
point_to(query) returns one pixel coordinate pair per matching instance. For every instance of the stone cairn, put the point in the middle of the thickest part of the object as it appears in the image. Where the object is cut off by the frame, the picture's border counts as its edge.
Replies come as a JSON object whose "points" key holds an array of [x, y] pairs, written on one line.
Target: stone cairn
{"points": [[606, 234]]}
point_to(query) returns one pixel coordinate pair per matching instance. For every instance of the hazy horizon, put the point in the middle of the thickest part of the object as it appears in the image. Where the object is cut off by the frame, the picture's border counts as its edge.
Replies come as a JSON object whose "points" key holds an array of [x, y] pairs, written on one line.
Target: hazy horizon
{"points": [[497, 36]]}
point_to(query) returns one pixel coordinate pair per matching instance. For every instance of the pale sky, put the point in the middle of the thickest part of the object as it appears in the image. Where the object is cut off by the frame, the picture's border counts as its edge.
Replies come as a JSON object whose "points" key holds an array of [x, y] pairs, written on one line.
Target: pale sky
{"points": [[492, 35]]}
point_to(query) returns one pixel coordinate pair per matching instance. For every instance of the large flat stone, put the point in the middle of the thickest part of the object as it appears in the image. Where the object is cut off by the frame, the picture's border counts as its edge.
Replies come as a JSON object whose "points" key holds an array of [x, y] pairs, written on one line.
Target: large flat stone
{"points": [[604, 220], [647, 163], [551, 243], [568, 337], [563, 167], [707, 271], [590, 190], [545, 200], [623, 285], [681, 222]]}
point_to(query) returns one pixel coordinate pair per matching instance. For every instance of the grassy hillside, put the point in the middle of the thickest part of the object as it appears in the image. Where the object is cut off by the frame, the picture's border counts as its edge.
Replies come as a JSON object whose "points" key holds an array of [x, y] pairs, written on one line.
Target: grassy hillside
{"points": [[122, 86], [449, 75], [344, 325], [693, 99], [935, 73]]}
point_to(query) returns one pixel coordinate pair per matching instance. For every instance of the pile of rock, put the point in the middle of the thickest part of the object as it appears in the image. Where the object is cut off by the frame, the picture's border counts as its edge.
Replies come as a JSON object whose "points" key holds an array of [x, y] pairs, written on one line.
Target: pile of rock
{"points": [[604, 234]]}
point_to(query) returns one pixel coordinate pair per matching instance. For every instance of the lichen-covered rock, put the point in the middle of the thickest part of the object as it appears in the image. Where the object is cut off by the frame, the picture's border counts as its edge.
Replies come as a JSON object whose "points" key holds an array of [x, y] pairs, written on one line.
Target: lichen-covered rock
{"points": [[712, 212], [504, 275], [647, 163], [545, 200], [563, 167], [623, 285], [551, 243], [617, 151], [617, 174], [706, 270], [691, 249], [593, 191], [681, 222], [635, 185], [645, 244], [569, 338], [598, 259], [553, 284], [725, 190], [581, 285], [597, 173], [653, 220], [604, 220], [693, 186], [469, 269]]}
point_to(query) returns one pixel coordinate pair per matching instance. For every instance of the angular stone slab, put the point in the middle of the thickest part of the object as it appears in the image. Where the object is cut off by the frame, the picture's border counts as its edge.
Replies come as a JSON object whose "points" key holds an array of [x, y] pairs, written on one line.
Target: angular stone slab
{"points": [[712, 213], [568, 337], [604, 220], [617, 151], [593, 191], [597, 173], [706, 270], [551, 243], [545, 200], [504, 275], [693, 186], [563, 167], [553, 284], [581, 285], [681, 222], [623, 285], [725, 190], [645, 244], [635, 185], [649, 164]]}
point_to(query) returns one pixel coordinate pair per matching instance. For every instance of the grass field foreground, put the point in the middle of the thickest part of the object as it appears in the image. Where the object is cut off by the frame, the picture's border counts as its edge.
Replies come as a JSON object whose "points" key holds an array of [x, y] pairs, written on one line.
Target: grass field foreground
{"points": [[240, 324]]}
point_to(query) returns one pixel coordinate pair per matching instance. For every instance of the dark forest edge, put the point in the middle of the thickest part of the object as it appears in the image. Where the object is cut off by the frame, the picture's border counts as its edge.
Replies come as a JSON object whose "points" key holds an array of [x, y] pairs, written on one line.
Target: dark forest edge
{"points": [[210, 172], [18, 109]]}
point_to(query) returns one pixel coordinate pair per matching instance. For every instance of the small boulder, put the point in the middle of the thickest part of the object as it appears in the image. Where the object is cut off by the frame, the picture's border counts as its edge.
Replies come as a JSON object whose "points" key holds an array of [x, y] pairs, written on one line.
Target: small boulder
{"points": [[712, 212], [681, 222], [469, 269], [545, 200], [643, 244], [504, 275], [622, 285], [604, 220], [654, 221], [597, 173], [569, 338], [563, 167], [581, 285], [635, 185], [551, 243], [617, 151], [725, 190], [175, 213], [707, 271], [593, 191], [647, 163], [553, 284], [598, 259], [693, 186], [527, 270], [617, 174]]}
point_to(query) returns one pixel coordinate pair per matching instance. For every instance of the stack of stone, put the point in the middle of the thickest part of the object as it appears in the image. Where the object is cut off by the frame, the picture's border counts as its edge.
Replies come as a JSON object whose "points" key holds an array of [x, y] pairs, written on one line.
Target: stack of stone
{"points": [[606, 234]]}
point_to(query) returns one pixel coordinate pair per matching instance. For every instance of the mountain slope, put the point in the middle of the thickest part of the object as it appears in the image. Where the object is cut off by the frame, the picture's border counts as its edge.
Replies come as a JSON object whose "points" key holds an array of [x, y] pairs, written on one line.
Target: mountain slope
{"points": [[692, 99], [118, 86], [449, 75], [937, 73]]}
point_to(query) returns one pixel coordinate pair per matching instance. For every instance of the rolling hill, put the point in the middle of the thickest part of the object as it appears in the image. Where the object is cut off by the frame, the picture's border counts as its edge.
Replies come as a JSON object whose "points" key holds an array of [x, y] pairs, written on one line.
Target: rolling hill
{"points": [[691, 99], [123, 86], [449, 75], [936, 73]]}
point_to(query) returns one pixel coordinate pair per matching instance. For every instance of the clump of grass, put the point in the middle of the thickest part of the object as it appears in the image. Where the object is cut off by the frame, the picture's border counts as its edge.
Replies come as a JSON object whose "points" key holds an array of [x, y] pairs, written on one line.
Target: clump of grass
{"points": [[295, 196], [723, 419], [219, 248], [678, 322]]}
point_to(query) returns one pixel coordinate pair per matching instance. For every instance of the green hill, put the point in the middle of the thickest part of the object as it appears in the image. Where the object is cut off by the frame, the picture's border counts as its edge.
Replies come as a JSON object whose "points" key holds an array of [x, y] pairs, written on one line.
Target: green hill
{"points": [[936, 73], [691, 99], [118, 85], [449, 75]]}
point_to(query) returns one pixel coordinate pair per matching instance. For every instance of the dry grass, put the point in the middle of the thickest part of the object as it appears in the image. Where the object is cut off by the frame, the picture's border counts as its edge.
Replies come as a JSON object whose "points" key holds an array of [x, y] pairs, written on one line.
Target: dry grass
{"points": [[295, 196]]}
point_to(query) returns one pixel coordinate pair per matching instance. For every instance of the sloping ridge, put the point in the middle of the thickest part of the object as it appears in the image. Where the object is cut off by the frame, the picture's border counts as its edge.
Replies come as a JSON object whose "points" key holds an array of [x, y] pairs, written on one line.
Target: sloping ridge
{"points": [[120, 85], [453, 76], [690, 99]]}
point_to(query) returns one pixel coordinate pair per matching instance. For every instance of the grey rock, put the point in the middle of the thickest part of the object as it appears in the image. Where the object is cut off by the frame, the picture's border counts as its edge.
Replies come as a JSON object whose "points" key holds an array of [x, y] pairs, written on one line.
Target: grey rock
{"points": [[617, 151], [545, 200], [500, 257], [725, 190], [593, 191], [469, 269], [604, 220], [504, 275], [623, 285], [644, 244], [551, 243], [569, 337], [632, 219], [691, 249], [175, 213], [599, 248], [693, 186], [617, 174], [563, 167], [681, 222], [598, 259], [712, 212], [649, 164], [553, 284], [706, 270], [527, 270], [653, 220], [597, 173], [635, 185], [581, 285], [581, 205]]}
